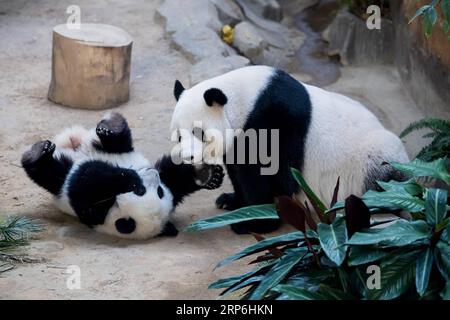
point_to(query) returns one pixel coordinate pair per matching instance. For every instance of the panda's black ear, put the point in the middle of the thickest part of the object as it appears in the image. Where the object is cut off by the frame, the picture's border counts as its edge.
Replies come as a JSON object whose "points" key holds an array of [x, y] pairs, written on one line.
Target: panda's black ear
{"points": [[215, 95], [178, 89]]}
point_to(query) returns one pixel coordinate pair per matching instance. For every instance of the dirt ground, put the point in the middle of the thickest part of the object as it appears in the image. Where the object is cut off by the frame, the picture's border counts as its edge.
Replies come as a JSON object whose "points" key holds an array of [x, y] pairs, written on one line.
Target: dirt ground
{"points": [[163, 268]]}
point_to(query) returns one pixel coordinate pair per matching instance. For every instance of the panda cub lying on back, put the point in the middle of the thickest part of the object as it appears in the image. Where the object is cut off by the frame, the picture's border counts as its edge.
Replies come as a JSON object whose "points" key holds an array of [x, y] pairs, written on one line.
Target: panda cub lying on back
{"points": [[97, 176]]}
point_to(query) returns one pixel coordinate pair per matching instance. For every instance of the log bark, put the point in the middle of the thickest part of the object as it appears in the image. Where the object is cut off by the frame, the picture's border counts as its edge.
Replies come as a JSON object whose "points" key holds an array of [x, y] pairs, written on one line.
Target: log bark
{"points": [[90, 66]]}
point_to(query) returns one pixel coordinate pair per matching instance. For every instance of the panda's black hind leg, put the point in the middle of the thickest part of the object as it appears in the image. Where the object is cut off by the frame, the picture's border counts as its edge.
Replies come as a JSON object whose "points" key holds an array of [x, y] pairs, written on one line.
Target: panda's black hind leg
{"points": [[169, 230], [43, 168], [114, 134]]}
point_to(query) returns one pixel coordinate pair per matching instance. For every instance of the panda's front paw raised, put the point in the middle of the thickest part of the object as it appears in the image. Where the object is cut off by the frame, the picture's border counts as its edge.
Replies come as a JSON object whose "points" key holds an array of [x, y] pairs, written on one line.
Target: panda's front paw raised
{"points": [[113, 124], [39, 151], [209, 176]]}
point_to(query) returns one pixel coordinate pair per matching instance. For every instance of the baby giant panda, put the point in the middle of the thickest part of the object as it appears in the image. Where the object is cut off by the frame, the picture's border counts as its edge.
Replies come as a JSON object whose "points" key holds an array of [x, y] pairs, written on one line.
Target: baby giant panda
{"points": [[97, 176], [323, 134]]}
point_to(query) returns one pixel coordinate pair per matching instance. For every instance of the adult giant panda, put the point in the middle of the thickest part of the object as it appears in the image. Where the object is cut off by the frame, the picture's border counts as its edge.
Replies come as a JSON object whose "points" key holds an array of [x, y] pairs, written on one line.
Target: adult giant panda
{"points": [[323, 134], [97, 176]]}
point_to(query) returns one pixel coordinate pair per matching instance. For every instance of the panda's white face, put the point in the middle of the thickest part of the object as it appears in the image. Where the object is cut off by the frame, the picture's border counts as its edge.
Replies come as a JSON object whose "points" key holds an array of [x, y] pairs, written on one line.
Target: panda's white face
{"points": [[204, 138], [144, 216]]}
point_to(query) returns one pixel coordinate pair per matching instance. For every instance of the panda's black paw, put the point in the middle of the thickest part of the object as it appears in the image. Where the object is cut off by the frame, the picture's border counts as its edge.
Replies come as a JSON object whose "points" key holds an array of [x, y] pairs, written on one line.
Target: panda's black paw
{"points": [[228, 201], [113, 124], [114, 134], [209, 176], [169, 230], [39, 151]]}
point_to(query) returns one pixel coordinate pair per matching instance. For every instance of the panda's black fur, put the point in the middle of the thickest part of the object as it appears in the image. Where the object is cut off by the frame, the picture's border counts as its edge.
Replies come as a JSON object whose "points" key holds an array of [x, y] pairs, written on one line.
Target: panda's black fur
{"points": [[91, 186]]}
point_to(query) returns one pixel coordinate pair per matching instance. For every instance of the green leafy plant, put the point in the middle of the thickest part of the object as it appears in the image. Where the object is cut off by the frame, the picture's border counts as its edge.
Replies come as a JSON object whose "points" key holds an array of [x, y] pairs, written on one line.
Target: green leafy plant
{"points": [[331, 259], [15, 231], [440, 133], [430, 16]]}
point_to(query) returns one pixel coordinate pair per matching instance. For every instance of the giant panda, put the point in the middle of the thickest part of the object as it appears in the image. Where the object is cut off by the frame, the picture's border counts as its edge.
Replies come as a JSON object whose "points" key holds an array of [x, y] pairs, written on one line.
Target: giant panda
{"points": [[97, 176], [323, 134]]}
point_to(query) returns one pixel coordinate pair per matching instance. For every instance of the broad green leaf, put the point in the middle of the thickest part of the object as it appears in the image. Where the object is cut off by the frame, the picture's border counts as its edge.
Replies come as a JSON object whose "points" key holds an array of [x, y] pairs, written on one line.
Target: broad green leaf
{"points": [[423, 270], [275, 275], [243, 284], [329, 293], [435, 206], [445, 294], [296, 293], [305, 187], [340, 205], [263, 245], [445, 235], [445, 8], [444, 250], [429, 20], [394, 199], [263, 211], [418, 168], [333, 239], [409, 186], [362, 255], [419, 12], [396, 278], [399, 233]]}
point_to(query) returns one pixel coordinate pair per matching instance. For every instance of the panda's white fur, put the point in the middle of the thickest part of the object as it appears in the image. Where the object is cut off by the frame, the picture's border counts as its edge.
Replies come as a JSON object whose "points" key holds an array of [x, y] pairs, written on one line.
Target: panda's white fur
{"points": [[342, 134], [149, 211]]}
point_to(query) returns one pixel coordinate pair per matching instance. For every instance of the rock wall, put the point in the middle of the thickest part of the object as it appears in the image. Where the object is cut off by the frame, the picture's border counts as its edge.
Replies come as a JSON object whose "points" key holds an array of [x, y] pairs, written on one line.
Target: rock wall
{"points": [[423, 63]]}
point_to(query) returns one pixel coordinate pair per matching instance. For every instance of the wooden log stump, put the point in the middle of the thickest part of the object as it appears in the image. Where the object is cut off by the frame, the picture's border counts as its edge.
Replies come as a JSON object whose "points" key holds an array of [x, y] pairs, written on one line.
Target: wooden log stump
{"points": [[90, 66]]}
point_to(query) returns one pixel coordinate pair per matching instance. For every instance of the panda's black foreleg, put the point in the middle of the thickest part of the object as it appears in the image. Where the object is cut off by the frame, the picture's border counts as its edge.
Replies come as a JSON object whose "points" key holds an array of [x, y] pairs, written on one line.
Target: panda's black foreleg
{"points": [[184, 179], [232, 200], [43, 168], [169, 230], [114, 134], [255, 189]]}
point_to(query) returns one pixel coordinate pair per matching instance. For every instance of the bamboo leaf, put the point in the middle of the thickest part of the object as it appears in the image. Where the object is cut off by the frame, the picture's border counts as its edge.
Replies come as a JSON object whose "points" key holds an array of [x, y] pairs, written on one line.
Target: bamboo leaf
{"points": [[264, 211]]}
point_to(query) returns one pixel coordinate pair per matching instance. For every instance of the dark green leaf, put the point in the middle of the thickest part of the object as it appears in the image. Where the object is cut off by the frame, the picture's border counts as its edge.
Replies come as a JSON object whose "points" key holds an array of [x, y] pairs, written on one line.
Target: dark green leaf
{"points": [[419, 12], [418, 168], [264, 211], [362, 255], [394, 199], [409, 186], [397, 234], [329, 293], [429, 20], [276, 274], [396, 278], [263, 245], [309, 193], [445, 294], [444, 250], [435, 206], [445, 8], [445, 236], [333, 239], [423, 270], [297, 293]]}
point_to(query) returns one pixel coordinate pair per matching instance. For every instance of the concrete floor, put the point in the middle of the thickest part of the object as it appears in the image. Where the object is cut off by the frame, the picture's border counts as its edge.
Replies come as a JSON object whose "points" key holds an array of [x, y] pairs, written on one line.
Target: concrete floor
{"points": [[175, 268]]}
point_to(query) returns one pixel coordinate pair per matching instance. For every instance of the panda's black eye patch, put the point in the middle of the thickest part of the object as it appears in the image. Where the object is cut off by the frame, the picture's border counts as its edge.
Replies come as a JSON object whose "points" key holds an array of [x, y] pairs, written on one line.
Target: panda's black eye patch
{"points": [[125, 226], [160, 192], [199, 133]]}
